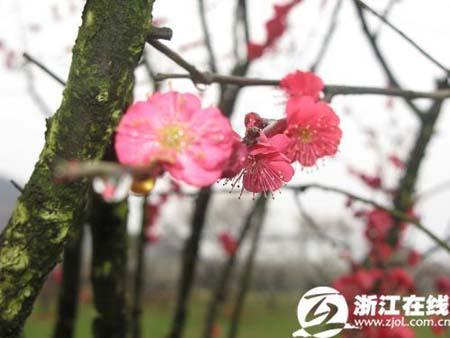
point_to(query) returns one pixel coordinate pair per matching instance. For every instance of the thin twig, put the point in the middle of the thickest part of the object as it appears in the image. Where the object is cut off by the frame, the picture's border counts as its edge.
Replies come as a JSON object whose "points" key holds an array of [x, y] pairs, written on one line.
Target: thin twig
{"points": [[403, 35], [313, 224], [437, 189], [243, 15], [328, 36], [68, 171], [197, 76], [401, 216], [207, 36], [433, 249], [16, 185], [387, 10], [29, 58], [382, 60]]}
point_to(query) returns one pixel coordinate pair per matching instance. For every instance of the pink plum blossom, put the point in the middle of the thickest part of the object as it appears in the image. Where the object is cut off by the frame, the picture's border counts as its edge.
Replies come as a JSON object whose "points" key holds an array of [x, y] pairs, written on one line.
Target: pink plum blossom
{"points": [[300, 83], [172, 129], [313, 128], [266, 168]]}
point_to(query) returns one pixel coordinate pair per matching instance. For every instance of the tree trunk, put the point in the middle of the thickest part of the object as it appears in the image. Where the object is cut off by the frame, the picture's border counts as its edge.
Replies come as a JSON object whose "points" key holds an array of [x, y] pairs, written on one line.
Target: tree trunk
{"points": [[227, 102], [109, 266], [108, 48], [190, 257], [139, 276], [68, 294], [221, 288], [244, 283]]}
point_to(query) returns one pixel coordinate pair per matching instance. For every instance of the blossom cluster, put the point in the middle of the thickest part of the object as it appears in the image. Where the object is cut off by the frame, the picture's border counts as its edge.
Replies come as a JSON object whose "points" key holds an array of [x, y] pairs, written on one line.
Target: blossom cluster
{"points": [[386, 270], [275, 28], [173, 133]]}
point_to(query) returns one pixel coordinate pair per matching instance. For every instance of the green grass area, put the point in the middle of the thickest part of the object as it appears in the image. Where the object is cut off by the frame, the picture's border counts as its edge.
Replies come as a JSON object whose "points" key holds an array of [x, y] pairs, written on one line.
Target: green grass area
{"points": [[263, 317]]}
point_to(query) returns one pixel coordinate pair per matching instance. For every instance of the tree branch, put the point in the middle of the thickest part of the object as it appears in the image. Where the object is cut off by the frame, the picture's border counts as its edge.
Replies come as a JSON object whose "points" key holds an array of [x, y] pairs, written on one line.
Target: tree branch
{"points": [[313, 225], [207, 36], [17, 186], [161, 33], [197, 76], [329, 90], [44, 68], [403, 35], [381, 59], [328, 36], [401, 216]]}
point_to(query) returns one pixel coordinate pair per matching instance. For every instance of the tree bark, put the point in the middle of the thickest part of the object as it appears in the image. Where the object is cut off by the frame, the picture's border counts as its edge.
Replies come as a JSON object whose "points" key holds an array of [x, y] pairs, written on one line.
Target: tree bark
{"points": [[68, 294], [109, 45], [109, 266]]}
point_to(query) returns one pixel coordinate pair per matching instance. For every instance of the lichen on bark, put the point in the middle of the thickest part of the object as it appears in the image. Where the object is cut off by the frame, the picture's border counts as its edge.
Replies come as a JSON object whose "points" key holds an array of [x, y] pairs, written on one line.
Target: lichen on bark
{"points": [[108, 47]]}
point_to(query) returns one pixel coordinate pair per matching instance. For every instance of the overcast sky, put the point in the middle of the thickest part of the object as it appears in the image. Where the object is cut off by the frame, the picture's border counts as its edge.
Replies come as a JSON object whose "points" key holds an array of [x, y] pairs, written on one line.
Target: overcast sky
{"points": [[47, 29]]}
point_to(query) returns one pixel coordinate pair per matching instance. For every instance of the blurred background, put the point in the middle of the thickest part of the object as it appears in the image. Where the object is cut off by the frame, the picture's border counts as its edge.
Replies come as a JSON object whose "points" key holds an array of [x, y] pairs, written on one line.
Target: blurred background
{"points": [[308, 239]]}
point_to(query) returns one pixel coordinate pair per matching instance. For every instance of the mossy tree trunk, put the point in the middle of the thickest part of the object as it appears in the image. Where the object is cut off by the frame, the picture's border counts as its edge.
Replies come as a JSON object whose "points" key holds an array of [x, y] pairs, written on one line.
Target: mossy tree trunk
{"points": [[109, 45]]}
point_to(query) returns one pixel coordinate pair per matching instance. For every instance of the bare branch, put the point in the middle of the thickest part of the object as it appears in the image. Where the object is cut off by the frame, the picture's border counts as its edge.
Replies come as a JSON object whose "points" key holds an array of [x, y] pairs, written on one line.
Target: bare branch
{"points": [[401, 216], [387, 10], [330, 90], [29, 58], [16, 185], [403, 35], [69, 171], [381, 59], [207, 36], [437, 189], [328, 36], [313, 224], [197, 76]]}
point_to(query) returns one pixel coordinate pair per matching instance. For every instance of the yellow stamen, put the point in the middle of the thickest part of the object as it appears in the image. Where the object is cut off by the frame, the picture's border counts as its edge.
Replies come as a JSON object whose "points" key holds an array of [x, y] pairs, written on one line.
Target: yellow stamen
{"points": [[173, 137], [305, 135]]}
